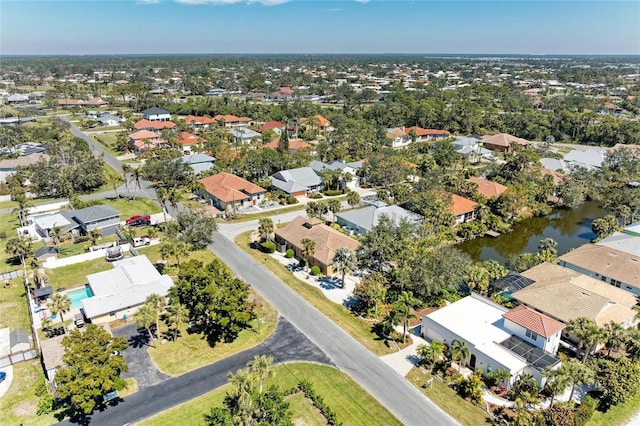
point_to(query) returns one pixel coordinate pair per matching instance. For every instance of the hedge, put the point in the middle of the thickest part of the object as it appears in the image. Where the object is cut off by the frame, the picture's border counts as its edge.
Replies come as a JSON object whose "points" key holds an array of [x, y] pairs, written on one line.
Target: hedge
{"points": [[268, 246], [332, 192]]}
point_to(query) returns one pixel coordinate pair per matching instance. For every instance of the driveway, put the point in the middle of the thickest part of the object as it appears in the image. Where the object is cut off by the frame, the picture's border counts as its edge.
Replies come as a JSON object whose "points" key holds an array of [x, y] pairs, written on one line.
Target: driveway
{"points": [[286, 344], [141, 367]]}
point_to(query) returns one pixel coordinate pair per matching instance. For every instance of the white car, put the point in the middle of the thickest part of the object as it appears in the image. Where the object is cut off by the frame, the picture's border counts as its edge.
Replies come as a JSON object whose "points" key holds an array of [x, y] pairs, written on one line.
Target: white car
{"points": [[139, 242]]}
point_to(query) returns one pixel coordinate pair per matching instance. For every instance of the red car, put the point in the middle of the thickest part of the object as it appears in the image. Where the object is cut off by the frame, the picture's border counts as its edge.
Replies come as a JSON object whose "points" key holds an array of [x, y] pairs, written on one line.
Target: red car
{"points": [[143, 219]]}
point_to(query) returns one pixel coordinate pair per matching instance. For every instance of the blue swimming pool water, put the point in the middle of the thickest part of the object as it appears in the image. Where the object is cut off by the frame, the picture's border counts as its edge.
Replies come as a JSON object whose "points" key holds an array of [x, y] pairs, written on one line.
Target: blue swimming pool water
{"points": [[77, 296]]}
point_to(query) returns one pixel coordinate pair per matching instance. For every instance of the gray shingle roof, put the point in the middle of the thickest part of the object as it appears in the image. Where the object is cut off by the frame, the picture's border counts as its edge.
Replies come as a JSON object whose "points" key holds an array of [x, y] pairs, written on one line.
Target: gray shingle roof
{"points": [[304, 176], [366, 218], [17, 336], [155, 111], [94, 213]]}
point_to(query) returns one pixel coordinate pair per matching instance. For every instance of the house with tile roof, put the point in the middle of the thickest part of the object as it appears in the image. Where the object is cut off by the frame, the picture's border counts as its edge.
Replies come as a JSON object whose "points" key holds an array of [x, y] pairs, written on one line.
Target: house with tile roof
{"points": [[229, 120], [231, 192], [198, 123], [276, 126], [189, 142], [487, 188], [607, 264], [423, 135], [496, 337], [503, 142], [463, 209], [144, 140], [564, 294], [398, 137], [328, 241], [153, 125], [294, 145]]}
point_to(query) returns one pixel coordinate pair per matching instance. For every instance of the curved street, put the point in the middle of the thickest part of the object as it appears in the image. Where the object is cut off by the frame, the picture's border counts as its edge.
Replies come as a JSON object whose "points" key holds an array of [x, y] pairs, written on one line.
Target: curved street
{"points": [[286, 344]]}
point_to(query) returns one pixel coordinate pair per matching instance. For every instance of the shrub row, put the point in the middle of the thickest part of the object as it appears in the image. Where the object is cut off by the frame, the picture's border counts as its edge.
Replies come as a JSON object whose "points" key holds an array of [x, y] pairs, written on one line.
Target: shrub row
{"points": [[307, 388], [268, 246], [332, 192]]}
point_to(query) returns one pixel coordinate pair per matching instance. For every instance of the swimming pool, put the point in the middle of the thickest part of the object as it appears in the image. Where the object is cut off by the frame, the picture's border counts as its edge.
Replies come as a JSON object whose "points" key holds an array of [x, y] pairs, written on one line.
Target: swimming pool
{"points": [[77, 296]]}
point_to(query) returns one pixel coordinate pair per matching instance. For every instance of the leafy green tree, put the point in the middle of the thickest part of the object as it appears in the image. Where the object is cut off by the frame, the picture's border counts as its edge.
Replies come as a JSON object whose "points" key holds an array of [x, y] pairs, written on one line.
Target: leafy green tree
{"points": [[196, 228], [92, 365], [459, 352], [557, 381], [560, 415], [618, 380], [308, 249], [444, 154], [217, 300], [547, 251], [265, 228], [478, 278], [370, 294], [60, 304], [344, 262]]}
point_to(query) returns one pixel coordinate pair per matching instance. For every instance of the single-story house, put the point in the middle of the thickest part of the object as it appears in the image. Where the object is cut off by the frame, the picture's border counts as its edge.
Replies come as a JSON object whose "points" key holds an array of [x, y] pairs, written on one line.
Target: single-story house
{"points": [[199, 162], [294, 145], [615, 267], [81, 221], [143, 140], [360, 221], [276, 126], [502, 142], [118, 293], [463, 209], [153, 125], [232, 121], [198, 123], [18, 98], [244, 135], [327, 239], [10, 166], [227, 191], [156, 114], [350, 168], [107, 119], [564, 294], [519, 341], [297, 182], [427, 134], [398, 137], [487, 188], [471, 149], [590, 160]]}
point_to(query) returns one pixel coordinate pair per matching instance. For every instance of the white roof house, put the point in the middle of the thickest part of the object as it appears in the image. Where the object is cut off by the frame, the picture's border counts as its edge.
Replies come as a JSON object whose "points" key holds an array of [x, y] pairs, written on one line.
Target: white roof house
{"points": [[118, 293], [491, 339]]}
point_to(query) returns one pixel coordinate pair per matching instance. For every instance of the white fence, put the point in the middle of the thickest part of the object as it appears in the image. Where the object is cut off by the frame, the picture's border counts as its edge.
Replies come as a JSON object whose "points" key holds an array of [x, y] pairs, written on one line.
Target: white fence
{"points": [[54, 262], [50, 207]]}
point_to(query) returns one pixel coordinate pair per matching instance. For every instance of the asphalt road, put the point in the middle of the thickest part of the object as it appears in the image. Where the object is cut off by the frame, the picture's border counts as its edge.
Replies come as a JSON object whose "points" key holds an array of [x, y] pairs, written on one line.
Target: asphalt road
{"points": [[380, 380], [286, 344]]}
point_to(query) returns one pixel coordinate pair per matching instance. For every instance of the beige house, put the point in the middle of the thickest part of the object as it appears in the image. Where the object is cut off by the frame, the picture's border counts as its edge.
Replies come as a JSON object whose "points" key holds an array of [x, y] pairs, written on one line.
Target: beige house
{"points": [[503, 142], [327, 239], [564, 294]]}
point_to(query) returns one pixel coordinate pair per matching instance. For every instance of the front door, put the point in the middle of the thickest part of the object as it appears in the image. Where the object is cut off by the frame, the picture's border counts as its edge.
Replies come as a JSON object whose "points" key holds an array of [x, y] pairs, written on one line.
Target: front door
{"points": [[472, 362]]}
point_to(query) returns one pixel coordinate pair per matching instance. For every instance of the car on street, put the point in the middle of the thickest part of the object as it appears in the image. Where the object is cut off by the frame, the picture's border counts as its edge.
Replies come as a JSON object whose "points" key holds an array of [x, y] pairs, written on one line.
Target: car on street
{"points": [[3, 376], [139, 219], [142, 241]]}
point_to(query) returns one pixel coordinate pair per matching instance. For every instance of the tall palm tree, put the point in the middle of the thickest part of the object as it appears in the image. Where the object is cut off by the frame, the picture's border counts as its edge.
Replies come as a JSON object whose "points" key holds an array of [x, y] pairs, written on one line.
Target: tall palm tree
{"points": [[145, 318], [95, 235], [390, 321], [577, 373], [353, 198], [308, 249], [431, 353], [334, 206], [56, 234], [180, 250], [158, 303], [178, 314], [167, 248], [615, 336], [60, 304], [21, 248], [261, 369], [632, 344], [265, 228], [404, 304], [578, 327], [344, 262], [241, 382], [459, 352], [126, 171], [557, 381], [592, 337]]}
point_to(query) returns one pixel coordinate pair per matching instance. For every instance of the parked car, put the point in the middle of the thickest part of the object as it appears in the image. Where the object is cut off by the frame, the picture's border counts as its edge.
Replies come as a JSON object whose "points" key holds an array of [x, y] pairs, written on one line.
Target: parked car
{"points": [[139, 219], [3, 376], [142, 241], [79, 320]]}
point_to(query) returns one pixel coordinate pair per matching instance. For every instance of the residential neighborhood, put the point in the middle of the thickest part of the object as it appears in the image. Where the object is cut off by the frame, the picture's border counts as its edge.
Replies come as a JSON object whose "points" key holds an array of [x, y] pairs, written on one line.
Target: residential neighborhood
{"points": [[455, 235]]}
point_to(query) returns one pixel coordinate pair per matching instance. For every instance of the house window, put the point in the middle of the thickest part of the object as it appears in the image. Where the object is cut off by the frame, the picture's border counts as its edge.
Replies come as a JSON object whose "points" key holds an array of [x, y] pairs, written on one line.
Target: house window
{"points": [[112, 313], [615, 283], [531, 335], [603, 278]]}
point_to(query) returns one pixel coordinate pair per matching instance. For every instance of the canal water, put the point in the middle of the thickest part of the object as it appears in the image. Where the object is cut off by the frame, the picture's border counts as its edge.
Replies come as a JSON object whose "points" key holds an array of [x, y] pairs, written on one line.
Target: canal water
{"points": [[569, 228]]}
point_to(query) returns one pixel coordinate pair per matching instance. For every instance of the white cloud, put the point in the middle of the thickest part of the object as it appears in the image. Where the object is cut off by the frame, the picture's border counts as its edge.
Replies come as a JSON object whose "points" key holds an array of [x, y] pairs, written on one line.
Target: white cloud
{"points": [[223, 2]]}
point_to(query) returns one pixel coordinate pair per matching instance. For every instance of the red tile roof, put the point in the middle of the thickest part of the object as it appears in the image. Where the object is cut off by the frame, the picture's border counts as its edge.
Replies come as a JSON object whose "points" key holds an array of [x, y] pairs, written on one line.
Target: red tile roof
{"points": [[231, 119], [488, 188], [143, 134], [461, 205], [535, 321], [270, 125], [294, 144], [227, 187], [187, 138], [198, 120], [504, 139], [158, 125], [426, 132]]}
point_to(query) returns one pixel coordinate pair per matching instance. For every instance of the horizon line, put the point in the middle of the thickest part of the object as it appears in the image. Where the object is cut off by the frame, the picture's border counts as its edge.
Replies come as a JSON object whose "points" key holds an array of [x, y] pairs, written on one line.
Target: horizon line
{"points": [[320, 54]]}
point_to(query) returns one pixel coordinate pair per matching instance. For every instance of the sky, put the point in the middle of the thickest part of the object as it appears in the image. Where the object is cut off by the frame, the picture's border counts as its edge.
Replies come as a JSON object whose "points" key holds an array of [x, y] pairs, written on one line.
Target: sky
{"points": [[303, 26]]}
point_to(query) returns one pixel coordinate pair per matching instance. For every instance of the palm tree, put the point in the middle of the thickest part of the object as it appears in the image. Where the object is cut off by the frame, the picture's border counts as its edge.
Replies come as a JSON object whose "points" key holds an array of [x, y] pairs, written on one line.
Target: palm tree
{"points": [[60, 304], [615, 336], [20, 247], [431, 353], [578, 327], [180, 250], [459, 352], [344, 262], [95, 235], [404, 305], [145, 318], [308, 249], [23, 204], [390, 321], [577, 373], [241, 382], [334, 206], [126, 171], [56, 234], [265, 228], [158, 303], [502, 375], [557, 381], [593, 336], [167, 248], [177, 316], [632, 344], [261, 369], [353, 198]]}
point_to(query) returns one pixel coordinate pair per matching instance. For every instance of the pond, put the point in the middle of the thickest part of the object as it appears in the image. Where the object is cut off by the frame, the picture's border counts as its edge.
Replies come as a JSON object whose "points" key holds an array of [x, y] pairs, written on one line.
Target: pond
{"points": [[569, 228]]}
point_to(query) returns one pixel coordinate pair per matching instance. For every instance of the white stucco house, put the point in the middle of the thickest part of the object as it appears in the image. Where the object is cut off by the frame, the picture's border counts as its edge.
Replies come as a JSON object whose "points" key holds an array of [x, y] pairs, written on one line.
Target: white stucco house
{"points": [[520, 340]]}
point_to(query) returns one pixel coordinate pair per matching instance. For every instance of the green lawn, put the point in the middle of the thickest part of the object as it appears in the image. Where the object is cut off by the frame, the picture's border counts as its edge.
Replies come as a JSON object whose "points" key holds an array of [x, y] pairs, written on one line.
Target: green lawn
{"points": [[352, 404], [71, 276], [176, 358], [107, 141], [618, 415], [13, 306], [8, 204], [8, 225], [359, 329], [448, 400], [128, 208], [19, 405]]}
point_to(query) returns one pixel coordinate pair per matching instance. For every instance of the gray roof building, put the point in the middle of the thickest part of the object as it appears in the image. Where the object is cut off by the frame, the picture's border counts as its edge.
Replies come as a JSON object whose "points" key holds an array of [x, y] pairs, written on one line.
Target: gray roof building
{"points": [[627, 243], [199, 162], [297, 181], [361, 221]]}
